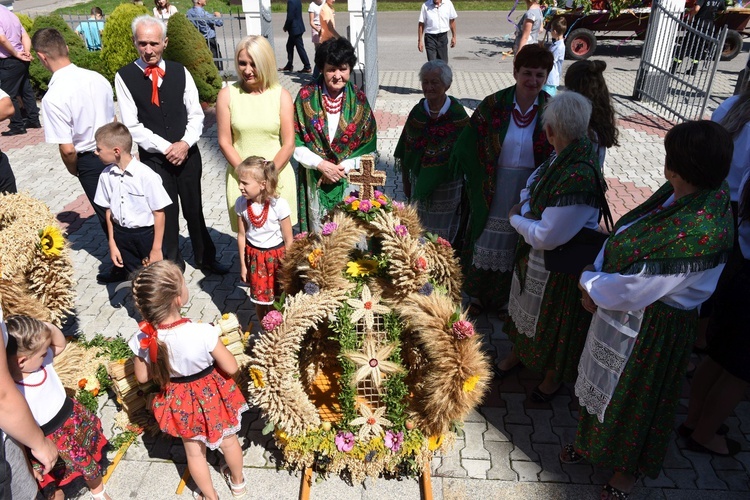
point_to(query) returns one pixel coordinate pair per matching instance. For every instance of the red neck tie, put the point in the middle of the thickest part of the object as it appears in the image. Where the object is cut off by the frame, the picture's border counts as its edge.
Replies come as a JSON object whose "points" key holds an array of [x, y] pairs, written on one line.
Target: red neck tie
{"points": [[154, 72]]}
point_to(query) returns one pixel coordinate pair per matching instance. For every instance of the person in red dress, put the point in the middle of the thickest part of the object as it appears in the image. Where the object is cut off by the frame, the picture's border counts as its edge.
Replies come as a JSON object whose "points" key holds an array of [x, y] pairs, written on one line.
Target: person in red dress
{"points": [[198, 402]]}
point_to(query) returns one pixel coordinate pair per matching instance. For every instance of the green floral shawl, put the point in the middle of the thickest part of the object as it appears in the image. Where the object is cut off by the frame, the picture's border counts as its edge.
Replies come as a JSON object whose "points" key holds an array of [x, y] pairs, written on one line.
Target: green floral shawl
{"points": [[355, 136], [478, 148], [693, 234], [425, 146]]}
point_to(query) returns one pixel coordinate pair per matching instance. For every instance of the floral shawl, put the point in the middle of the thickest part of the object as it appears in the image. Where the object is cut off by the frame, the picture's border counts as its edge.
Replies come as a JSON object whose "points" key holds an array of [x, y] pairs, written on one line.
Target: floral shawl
{"points": [[478, 148], [356, 135], [425, 147], [693, 234]]}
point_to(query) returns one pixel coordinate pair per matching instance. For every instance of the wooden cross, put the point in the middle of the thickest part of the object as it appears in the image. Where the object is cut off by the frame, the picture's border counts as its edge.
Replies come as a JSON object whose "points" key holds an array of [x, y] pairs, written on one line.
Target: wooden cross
{"points": [[367, 178]]}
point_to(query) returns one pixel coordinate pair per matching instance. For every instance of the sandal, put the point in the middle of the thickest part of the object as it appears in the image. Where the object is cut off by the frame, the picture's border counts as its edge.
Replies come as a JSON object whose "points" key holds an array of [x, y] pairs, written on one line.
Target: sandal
{"points": [[102, 495], [569, 455], [685, 432], [542, 397], [609, 492], [238, 490]]}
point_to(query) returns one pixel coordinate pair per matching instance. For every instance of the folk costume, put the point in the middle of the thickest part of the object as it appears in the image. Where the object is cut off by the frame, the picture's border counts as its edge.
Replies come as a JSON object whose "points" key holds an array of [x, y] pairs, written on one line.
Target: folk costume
{"points": [[547, 324], [340, 134], [496, 157], [199, 402], [76, 431], [664, 259], [423, 153], [264, 245], [256, 131]]}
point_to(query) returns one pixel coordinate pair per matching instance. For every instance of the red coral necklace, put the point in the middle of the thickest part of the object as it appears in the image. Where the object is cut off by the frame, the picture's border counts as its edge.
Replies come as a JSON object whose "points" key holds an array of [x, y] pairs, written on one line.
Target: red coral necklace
{"points": [[523, 121], [258, 220], [333, 106], [167, 326], [44, 379]]}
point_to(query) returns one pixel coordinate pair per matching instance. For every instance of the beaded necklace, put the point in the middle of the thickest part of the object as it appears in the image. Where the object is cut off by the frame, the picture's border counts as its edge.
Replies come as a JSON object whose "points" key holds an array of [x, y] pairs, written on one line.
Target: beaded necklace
{"points": [[523, 121], [333, 106], [175, 324], [44, 379], [258, 220]]}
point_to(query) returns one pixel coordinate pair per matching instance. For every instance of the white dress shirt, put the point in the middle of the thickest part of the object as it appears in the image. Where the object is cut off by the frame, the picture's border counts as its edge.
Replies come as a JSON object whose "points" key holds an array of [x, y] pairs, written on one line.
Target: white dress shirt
{"points": [[741, 157], [146, 138], [132, 194], [436, 19], [77, 103]]}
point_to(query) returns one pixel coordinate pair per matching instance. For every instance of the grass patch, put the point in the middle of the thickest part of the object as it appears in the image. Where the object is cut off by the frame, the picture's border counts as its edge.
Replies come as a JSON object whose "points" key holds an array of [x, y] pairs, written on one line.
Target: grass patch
{"points": [[108, 6]]}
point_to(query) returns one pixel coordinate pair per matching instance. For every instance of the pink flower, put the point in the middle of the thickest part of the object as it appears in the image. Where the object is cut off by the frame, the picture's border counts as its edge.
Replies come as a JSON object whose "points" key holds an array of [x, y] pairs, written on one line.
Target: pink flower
{"points": [[394, 440], [365, 206], [378, 194], [271, 320], [349, 199], [398, 205], [329, 227], [420, 264], [301, 236], [401, 230], [444, 242], [463, 329], [344, 441]]}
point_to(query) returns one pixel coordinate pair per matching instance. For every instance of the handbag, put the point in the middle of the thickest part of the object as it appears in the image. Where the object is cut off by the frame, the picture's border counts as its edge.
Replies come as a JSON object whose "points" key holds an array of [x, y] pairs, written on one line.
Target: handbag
{"points": [[581, 250]]}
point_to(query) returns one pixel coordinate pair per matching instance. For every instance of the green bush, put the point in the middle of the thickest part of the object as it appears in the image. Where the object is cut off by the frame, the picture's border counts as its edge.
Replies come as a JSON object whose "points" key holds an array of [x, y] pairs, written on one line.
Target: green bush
{"points": [[26, 21], [78, 53], [117, 39], [188, 47]]}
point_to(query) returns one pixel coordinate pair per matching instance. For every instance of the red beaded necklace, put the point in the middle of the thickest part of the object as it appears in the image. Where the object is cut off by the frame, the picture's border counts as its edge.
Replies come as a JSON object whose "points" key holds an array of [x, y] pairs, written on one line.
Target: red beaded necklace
{"points": [[523, 121], [44, 379], [167, 326], [333, 106], [258, 220]]}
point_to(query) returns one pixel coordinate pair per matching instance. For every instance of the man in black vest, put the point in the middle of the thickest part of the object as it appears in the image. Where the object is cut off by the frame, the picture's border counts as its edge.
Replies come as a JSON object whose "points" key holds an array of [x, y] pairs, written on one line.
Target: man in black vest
{"points": [[159, 104]]}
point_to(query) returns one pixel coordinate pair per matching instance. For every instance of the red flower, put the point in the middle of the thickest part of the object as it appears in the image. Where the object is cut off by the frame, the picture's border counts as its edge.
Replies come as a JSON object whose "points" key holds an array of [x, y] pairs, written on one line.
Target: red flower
{"points": [[681, 234], [304, 92], [703, 240], [344, 139], [351, 128]]}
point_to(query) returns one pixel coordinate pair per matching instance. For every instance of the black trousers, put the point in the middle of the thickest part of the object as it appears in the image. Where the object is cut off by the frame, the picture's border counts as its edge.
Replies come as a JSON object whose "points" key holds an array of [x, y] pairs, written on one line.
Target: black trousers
{"points": [[183, 185], [134, 245], [7, 179], [296, 41], [436, 46], [213, 46], [14, 78], [90, 167]]}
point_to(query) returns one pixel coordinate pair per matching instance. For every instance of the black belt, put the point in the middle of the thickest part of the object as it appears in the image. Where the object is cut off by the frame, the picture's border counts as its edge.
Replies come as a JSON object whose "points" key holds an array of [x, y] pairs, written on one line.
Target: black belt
{"points": [[84, 153], [280, 245], [193, 377], [132, 230], [59, 419]]}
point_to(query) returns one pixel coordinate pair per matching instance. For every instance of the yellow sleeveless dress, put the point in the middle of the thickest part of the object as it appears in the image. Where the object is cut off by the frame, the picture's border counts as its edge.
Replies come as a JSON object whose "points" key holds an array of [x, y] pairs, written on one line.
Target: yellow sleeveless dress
{"points": [[256, 131]]}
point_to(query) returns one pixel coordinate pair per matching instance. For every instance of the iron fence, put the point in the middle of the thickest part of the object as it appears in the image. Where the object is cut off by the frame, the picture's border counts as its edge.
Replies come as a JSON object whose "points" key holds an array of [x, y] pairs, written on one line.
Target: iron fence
{"points": [[677, 77]]}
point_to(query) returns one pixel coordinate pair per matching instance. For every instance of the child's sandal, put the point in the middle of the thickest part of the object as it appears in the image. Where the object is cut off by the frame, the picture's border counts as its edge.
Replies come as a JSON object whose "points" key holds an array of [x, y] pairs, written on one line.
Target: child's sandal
{"points": [[238, 490], [569, 455], [102, 495]]}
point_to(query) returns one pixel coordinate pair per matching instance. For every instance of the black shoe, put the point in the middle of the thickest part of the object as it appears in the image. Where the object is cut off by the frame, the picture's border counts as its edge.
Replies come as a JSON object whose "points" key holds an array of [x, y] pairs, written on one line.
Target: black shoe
{"points": [[14, 131], [286, 69], [29, 124], [500, 374], [306, 70], [214, 267], [114, 275], [733, 447]]}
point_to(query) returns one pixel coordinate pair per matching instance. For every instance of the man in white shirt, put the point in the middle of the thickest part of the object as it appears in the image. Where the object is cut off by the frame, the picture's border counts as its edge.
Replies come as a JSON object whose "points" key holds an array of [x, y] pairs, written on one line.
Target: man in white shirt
{"points": [[435, 19], [77, 103], [165, 118]]}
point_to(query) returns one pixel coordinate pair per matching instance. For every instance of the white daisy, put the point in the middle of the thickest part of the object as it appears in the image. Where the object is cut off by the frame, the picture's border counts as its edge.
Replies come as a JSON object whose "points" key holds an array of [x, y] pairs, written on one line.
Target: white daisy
{"points": [[366, 307], [372, 362], [371, 421]]}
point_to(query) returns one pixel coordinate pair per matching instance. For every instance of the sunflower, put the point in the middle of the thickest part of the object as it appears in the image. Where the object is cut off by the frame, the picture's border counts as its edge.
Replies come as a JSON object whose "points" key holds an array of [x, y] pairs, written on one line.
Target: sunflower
{"points": [[257, 377], [361, 267], [51, 241], [434, 442]]}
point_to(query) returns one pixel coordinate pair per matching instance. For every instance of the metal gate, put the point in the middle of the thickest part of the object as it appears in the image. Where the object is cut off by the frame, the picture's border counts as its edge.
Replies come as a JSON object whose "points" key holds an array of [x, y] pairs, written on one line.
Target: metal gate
{"points": [[679, 62], [371, 51]]}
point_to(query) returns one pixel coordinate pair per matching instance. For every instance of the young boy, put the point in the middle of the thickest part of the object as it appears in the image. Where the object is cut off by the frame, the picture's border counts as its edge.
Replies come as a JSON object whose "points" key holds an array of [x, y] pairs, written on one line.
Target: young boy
{"points": [[558, 28], [134, 197], [91, 30]]}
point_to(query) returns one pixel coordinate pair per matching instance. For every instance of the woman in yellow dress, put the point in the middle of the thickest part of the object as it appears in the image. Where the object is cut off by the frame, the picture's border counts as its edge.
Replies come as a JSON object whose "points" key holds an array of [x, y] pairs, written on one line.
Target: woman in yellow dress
{"points": [[255, 117]]}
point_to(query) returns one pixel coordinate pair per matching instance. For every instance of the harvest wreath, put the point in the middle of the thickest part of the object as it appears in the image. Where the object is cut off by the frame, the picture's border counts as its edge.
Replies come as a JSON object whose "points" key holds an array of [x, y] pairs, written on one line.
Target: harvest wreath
{"points": [[370, 364]]}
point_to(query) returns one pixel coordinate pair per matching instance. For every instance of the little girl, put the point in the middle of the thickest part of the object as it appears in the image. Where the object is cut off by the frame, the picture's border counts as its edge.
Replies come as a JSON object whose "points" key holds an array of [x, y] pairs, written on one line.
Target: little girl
{"points": [[265, 230], [198, 402], [587, 78], [32, 344]]}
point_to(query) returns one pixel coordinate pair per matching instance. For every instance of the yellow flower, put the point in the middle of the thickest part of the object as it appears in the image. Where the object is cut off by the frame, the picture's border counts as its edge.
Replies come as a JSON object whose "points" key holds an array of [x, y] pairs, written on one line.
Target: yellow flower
{"points": [[471, 383], [257, 377], [281, 436], [51, 241], [314, 257], [434, 442], [355, 204], [225, 340], [361, 267], [225, 316], [375, 204]]}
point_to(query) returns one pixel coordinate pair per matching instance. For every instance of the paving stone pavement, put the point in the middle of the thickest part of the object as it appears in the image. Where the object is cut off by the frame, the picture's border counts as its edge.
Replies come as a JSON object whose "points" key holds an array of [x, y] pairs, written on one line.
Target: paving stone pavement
{"points": [[508, 447]]}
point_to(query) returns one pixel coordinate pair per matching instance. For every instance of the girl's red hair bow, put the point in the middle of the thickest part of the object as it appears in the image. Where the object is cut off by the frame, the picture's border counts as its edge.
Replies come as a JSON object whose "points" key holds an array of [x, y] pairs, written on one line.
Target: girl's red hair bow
{"points": [[149, 341]]}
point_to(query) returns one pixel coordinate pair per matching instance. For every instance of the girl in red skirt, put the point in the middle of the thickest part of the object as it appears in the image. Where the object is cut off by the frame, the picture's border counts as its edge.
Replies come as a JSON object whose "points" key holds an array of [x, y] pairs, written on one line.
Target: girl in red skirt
{"points": [[32, 344], [199, 402], [265, 230]]}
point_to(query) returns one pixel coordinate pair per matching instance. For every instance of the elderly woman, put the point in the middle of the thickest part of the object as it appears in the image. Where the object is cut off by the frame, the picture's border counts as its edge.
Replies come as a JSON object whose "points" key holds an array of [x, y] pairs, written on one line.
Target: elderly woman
{"points": [[663, 259], [255, 117], [335, 127], [564, 195], [496, 153], [424, 149]]}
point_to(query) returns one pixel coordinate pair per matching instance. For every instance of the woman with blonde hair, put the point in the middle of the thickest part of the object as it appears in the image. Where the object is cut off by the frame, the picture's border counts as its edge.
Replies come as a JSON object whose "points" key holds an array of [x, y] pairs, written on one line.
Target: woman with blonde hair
{"points": [[255, 117]]}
